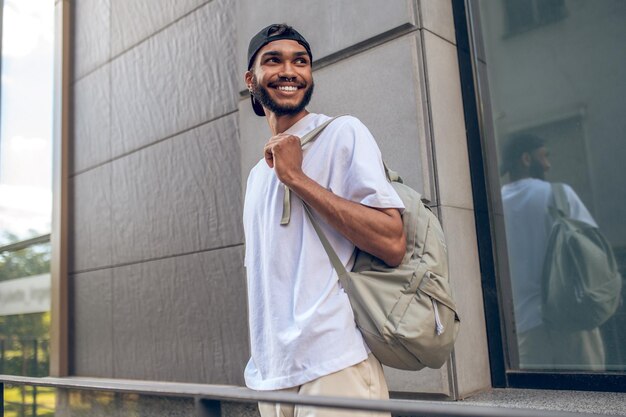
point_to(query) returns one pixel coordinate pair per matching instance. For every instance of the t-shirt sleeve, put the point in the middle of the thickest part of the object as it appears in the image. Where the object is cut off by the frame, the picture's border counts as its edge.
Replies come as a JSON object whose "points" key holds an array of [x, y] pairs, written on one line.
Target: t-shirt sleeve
{"points": [[361, 178], [578, 210]]}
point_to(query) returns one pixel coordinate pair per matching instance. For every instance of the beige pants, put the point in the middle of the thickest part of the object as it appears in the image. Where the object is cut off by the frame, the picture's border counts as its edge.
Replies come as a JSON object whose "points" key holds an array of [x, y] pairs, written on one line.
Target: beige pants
{"points": [[543, 348], [363, 380]]}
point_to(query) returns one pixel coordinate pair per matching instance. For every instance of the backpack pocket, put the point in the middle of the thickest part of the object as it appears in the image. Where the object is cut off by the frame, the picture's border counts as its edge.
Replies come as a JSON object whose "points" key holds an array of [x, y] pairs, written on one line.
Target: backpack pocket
{"points": [[430, 323]]}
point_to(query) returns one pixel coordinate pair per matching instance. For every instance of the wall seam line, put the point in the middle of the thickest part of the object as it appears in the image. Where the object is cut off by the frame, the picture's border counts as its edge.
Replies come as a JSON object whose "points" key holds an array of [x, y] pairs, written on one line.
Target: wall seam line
{"points": [[158, 258], [129, 48], [156, 142]]}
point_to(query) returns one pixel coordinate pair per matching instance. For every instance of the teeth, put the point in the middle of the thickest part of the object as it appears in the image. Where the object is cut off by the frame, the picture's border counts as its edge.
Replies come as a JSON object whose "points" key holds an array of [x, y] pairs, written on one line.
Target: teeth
{"points": [[287, 88]]}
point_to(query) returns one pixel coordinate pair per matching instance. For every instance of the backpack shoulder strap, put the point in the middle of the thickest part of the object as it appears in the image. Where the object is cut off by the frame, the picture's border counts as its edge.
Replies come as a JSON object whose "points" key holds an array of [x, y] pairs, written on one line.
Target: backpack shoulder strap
{"points": [[309, 137], [342, 273], [560, 199]]}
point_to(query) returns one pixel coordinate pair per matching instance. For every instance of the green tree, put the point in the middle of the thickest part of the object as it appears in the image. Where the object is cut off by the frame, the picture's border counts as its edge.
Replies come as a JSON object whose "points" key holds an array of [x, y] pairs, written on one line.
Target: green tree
{"points": [[24, 337]]}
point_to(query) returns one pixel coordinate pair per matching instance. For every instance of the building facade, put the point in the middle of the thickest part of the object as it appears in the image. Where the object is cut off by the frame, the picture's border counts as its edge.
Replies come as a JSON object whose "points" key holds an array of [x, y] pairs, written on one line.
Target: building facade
{"points": [[162, 136]]}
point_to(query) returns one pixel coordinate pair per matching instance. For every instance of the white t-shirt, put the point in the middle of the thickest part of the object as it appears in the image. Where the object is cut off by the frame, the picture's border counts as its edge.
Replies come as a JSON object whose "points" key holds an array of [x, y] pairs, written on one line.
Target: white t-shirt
{"points": [[301, 323], [528, 224]]}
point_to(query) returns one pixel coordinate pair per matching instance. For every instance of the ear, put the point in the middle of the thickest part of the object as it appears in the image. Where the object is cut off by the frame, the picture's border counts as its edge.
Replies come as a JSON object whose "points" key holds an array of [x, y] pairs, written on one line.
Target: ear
{"points": [[247, 78], [526, 159]]}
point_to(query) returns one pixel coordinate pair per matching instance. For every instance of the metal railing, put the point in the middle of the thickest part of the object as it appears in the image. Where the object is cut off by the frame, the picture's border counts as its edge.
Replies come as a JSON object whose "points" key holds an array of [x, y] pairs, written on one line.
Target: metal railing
{"points": [[208, 398], [23, 244]]}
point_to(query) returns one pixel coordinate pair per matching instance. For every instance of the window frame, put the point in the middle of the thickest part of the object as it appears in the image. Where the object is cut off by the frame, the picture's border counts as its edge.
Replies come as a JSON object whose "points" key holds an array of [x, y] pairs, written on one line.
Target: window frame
{"points": [[59, 302], [467, 26], [59, 326]]}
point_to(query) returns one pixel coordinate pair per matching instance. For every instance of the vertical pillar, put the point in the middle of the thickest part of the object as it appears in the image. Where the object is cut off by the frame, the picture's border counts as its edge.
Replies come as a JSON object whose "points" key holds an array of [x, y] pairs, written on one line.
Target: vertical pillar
{"points": [[60, 194]]}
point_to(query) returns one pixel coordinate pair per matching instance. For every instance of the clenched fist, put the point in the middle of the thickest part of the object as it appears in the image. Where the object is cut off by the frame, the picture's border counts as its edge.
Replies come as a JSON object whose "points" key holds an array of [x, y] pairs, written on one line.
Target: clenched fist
{"points": [[283, 152]]}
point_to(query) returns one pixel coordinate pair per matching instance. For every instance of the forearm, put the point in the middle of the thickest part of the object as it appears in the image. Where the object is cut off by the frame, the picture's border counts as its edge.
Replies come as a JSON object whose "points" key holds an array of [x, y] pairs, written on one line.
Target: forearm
{"points": [[376, 231]]}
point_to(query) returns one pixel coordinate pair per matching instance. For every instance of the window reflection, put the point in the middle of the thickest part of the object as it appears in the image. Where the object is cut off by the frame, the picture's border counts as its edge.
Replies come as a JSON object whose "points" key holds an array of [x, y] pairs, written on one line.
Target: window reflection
{"points": [[25, 201], [557, 97], [551, 277], [26, 400], [26, 118], [25, 310]]}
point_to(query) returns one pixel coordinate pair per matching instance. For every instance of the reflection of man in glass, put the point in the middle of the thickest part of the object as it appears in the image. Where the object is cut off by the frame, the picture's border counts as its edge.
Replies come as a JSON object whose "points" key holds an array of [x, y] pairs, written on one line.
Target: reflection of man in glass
{"points": [[525, 202]]}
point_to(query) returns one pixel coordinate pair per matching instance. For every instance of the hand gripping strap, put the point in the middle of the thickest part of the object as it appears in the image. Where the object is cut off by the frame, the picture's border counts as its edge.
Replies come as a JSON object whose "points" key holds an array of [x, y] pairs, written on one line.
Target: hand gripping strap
{"points": [[309, 137]]}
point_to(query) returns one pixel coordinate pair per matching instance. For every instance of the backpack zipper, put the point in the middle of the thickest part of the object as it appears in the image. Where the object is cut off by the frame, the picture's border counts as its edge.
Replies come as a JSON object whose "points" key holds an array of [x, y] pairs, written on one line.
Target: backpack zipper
{"points": [[438, 325]]}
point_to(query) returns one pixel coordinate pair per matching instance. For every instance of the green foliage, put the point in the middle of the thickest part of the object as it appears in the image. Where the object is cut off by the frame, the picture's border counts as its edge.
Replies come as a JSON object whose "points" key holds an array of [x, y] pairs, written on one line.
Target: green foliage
{"points": [[24, 338], [21, 401], [33, 260]]}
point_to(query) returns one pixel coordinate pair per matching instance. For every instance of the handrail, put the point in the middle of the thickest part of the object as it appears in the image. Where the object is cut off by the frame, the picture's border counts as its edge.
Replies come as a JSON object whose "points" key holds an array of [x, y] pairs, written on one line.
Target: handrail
{"points": [[206, 392], [23, 244]]}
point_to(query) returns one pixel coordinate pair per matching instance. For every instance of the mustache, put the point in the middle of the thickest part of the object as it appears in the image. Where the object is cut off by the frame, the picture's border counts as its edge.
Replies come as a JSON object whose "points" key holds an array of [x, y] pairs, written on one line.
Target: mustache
{"points": [[291, 81]]}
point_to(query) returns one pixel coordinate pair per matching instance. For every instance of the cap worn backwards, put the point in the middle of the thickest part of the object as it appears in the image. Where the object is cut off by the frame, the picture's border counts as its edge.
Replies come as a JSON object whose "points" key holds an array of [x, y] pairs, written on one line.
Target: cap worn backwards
{"points": [[273, 33]]}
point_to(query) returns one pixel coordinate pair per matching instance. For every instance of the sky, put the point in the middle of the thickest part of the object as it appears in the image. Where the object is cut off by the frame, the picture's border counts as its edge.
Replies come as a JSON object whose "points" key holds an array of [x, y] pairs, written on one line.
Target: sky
{"points": [[26, 117]]}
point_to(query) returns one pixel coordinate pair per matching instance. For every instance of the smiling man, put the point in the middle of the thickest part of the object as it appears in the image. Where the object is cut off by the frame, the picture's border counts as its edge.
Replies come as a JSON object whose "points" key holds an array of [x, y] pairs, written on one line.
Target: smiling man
{"points": [[302, 331]]}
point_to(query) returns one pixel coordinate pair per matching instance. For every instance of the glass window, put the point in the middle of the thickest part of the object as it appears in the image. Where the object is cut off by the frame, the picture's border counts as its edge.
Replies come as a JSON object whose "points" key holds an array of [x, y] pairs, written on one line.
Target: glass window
{"points": [[26, 97], [555, 97], [524, 15]]}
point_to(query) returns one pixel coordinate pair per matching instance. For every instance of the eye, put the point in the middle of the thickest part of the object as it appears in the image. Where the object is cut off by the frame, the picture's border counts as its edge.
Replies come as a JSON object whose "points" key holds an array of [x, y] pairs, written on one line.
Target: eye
{"points": [[271, 60], [301, 61]]}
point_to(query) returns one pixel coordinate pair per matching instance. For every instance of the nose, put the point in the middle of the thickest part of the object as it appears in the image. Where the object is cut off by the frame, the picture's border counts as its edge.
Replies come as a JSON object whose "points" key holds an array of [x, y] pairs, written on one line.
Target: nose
{"points": [[287, 71], [546, 165]]}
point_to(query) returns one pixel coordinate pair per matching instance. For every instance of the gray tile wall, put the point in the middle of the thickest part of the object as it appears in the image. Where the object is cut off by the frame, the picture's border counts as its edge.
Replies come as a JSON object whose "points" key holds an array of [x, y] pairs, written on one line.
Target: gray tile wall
{"points": [[163, 143], [158, 288]]}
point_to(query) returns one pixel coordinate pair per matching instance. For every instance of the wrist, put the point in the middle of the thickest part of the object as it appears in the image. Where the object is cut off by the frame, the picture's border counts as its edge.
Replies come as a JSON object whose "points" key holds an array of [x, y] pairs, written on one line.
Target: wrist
{"points": [[296, 181]]}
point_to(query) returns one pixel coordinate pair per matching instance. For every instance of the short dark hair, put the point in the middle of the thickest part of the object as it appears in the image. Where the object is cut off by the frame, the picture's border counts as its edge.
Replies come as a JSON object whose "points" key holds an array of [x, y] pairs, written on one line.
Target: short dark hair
{"points": [[516, 145]]}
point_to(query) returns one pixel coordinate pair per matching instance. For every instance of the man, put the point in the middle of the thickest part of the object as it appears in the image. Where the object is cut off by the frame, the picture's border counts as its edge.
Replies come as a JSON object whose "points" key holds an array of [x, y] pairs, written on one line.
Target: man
{"points": [[525, 201], [302, 331]]}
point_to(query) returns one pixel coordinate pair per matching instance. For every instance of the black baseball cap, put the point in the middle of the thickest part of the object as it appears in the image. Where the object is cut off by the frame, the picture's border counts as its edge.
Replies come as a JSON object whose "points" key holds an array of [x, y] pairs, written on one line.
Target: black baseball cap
{"points": [[266, 35]]}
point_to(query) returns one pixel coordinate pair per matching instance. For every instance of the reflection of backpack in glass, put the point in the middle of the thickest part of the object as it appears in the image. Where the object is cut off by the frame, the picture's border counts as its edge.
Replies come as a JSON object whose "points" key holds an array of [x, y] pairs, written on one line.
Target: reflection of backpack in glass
{"points": [[581, 282], [406, 314]]}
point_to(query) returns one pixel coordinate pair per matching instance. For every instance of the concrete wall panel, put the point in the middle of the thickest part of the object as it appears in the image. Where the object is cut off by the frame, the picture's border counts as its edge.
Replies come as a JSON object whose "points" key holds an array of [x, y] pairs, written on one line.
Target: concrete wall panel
{"points": [[178, 196], [436, 17], [328, 25], [470, 351], [177, 79], [92, 46], [182, 318], [92, 120], [90, 234], [92, 310], [448, 123], [133, 21], [253, 133], [426, 381], [382, 87]]}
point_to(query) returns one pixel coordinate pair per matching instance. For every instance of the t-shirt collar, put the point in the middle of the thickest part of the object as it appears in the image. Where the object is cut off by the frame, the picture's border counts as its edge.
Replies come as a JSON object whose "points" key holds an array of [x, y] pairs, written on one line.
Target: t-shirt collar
{"points": [[302, 125]]}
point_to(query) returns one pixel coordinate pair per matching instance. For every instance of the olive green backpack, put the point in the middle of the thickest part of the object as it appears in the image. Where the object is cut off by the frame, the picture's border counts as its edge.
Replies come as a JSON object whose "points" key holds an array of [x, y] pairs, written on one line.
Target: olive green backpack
{"points": [[406, 314], [581, 281]]}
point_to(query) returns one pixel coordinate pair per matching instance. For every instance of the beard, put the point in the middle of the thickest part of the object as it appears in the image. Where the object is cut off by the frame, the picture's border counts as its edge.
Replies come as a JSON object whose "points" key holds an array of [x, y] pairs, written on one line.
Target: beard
{"points": [[536, 170], [261, 95]]}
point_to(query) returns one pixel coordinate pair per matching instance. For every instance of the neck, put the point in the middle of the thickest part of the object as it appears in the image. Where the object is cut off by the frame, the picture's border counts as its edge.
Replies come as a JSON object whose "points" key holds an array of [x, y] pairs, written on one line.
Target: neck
{"points": [[278, 124], [517, 177]]}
